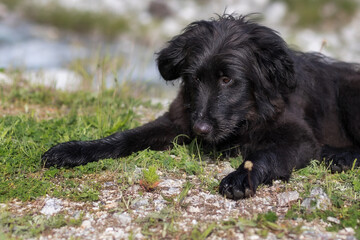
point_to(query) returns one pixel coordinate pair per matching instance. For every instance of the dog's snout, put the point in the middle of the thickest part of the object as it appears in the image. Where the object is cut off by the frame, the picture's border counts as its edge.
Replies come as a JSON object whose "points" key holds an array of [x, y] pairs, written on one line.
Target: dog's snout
{"points": [[202, 128]]}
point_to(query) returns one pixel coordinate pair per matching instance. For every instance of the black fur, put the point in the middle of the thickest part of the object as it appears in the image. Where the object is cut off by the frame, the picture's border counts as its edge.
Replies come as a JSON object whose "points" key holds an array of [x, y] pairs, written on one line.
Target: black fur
{"points": [[244, 89]]}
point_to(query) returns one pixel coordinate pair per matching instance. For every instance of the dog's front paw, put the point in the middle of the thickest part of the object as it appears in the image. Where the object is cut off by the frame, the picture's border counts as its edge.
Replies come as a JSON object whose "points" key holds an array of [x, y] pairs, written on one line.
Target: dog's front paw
{"points": [[69, 154], [238, 185]]}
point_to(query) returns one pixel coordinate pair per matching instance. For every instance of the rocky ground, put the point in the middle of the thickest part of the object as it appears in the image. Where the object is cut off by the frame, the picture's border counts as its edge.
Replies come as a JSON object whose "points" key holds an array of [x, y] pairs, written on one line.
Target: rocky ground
{"points": [[161, 214]]}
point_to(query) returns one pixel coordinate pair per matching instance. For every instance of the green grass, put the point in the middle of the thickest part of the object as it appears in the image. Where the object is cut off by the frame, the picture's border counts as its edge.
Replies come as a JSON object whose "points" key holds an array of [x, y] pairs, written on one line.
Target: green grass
{"points": [[84, 115], [150, 179], [341, 188], [29, 226], [25, 136], [263, 224], [79, 116]]}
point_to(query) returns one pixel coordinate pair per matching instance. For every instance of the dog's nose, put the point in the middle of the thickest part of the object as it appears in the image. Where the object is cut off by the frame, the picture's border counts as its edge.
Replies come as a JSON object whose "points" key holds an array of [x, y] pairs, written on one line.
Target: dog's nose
{"points": [[202, 128]]}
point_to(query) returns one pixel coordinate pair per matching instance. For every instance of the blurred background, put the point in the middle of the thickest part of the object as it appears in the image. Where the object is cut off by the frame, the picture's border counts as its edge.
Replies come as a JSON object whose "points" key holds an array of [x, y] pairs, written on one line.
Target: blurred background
{"points": [[78, 44]]}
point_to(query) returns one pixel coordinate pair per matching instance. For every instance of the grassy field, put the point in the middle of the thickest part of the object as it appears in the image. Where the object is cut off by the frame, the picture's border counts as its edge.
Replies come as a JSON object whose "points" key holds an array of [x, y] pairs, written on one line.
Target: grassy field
{"points": [[34, 118]]}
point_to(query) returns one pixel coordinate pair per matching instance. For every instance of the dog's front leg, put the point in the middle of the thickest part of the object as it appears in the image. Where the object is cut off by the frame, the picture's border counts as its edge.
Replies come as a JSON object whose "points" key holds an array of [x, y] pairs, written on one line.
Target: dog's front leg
{"points": [[156, 135], [274, 161]]}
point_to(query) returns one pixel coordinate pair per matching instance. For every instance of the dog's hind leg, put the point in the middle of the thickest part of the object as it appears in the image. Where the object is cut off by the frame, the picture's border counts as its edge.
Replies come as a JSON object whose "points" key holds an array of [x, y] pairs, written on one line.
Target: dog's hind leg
{"points": [[349, 106], [340, 159]]}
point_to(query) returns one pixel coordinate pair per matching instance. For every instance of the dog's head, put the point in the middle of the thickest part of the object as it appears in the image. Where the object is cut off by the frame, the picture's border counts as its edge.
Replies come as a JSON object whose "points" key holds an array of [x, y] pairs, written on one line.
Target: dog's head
{"points": [[235, 73]]}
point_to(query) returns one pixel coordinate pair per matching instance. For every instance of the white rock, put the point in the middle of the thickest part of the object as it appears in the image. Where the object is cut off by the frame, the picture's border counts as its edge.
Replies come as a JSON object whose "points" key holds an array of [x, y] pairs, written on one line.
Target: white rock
{"points": [[109, 229], [170, 183], [226, 171], [192, 199], [159, 204], [286, 197], [133, 189], [347, 231], [86, 224], [114, 233], [139, 236], [194, 209], [333, 220], [52, 206], [123, 218], [140, 203], [111, 205], [109, 184], [171, 191], [318, 199]]}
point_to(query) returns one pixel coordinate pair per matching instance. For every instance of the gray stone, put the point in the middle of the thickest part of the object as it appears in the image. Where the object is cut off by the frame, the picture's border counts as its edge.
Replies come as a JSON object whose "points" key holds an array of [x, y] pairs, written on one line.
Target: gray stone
{"points": [[286, 197], [77, 214], [171, 191], [194, 209], [86, 224], [318, 199], [347, 231], [226, 171], [109, 184], [123, 218], [159, 204], [140, 203], [170, 187], [138, 173], [52, 206], [170, 183], [333, 220], [114, 233]]}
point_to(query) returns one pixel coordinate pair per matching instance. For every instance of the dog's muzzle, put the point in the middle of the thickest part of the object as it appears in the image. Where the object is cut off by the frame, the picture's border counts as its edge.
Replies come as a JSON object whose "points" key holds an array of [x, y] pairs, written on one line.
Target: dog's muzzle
{"points": [[202, 128]]}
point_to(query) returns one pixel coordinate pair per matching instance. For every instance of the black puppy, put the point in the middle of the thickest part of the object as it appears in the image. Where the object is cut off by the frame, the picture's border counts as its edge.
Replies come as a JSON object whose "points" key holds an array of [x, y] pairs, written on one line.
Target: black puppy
{"points": [[243, 89]]}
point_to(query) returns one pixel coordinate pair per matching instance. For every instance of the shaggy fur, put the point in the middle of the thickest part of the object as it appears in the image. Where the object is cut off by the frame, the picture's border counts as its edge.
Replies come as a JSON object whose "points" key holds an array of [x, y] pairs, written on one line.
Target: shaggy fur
{"points": [[244, 91]]}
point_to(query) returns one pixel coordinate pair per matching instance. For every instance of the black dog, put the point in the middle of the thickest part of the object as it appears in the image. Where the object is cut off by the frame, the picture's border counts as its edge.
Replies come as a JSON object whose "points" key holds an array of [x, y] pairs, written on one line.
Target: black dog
{"points": [[243, 90]]}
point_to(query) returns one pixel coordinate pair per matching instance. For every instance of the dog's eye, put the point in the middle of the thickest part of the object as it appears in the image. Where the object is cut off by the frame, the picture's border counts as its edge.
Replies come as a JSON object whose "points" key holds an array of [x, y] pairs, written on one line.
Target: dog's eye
{"points": [[196, 79], [225, 80]]}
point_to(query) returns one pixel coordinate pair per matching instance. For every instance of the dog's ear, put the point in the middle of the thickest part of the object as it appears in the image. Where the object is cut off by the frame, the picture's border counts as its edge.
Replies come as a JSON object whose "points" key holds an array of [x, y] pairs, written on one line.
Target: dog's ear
{"points": [[171, 59], [275, 66]]}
